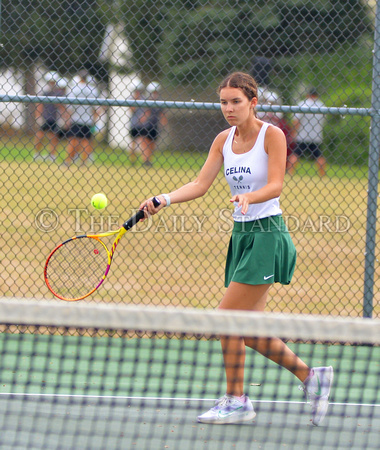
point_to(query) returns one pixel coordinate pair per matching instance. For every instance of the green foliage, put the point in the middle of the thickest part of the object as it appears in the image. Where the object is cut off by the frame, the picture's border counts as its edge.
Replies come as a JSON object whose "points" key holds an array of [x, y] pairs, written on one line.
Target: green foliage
{"points": [[210, 40], [144, 27], [65, 35], [200, 41]]}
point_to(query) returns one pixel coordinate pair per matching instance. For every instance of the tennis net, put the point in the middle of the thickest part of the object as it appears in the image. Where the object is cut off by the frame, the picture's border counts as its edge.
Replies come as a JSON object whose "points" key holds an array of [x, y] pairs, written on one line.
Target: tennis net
{"points": [[104, 376]]}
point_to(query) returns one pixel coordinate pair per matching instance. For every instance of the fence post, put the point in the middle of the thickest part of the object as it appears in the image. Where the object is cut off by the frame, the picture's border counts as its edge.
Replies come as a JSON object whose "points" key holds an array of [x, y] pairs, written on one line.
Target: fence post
{"points": [[373, 176]]}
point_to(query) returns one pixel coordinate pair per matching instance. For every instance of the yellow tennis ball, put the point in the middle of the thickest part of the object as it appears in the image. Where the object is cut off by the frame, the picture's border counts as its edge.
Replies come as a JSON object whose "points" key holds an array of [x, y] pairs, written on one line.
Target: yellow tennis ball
{"points": [[99, 201]]}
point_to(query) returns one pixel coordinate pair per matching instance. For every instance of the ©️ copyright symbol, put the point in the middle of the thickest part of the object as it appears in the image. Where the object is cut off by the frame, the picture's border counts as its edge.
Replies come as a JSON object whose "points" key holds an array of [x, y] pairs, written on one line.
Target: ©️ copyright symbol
{"points": [[46, 220]]}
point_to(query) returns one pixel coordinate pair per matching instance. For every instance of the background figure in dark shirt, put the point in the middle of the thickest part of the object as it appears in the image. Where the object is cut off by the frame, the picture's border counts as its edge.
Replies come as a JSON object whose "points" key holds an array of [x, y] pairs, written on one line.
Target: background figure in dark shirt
{"points": [[148, 128], [47, 117], [137, 114], [279, 120], [82, 121]]}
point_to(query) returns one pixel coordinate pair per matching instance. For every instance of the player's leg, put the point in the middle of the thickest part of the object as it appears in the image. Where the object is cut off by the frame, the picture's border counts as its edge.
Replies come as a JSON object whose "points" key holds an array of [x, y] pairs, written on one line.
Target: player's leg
{"points": [[143, 143], [135, 144], [38, 143], [316, 381], [293, 158], [277, 351], [320, 160], [53, 143], [242, 297], [147, 150], [253, 298], [72, 148], [152, 148], [235, 406], [85, 149], [321, 165], [147, 154]]}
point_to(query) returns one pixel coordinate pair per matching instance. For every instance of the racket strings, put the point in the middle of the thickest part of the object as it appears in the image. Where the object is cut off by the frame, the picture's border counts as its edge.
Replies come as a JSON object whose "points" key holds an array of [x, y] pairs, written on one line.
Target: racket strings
{"points": [[77, 267]]}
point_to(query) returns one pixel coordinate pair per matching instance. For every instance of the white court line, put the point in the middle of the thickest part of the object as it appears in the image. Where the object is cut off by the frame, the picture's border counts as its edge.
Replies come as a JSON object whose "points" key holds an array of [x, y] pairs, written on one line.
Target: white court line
{"points": [[187, 399]]}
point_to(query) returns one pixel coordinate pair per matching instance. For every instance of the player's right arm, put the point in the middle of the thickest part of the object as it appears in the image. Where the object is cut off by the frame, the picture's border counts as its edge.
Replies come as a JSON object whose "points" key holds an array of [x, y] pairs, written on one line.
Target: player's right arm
{"points": [[201, 184]]}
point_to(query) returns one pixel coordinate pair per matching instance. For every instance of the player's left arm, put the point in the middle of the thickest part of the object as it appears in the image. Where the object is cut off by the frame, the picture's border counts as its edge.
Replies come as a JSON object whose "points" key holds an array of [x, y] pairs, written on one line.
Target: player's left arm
{"points": [[275, 147]]}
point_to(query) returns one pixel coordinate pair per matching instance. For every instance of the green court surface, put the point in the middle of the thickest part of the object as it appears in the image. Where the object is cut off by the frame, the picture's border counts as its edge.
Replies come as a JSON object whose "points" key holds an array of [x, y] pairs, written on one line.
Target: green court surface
{"points": [[101, 392]]}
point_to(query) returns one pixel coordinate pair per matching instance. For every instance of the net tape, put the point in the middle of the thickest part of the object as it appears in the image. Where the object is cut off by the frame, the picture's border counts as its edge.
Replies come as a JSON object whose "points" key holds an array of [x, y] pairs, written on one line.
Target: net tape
{"points": [[177, 320]]}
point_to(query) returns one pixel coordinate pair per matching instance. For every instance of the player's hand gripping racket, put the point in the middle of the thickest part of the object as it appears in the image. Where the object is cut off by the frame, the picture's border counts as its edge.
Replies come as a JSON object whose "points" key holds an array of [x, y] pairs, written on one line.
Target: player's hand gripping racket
{"points": [[77, 267]]}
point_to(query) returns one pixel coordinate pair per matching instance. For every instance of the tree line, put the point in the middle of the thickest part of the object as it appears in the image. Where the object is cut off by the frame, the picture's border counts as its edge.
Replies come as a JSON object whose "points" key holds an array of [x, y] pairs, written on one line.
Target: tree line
{"points": [[185, 41]]}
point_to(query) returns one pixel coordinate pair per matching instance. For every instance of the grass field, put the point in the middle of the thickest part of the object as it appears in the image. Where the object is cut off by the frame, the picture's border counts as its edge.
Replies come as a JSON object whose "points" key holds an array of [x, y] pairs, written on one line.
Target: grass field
{"points": [[178, 257]]}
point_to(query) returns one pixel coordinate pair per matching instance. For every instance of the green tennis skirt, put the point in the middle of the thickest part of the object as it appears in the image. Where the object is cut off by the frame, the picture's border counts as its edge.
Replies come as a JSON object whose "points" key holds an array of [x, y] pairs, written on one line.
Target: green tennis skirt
{"points": [[260, 252]]}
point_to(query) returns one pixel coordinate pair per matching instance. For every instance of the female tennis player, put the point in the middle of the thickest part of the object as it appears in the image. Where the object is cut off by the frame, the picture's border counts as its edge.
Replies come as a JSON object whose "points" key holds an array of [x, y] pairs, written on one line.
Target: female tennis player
{"points": [[260, 252]]}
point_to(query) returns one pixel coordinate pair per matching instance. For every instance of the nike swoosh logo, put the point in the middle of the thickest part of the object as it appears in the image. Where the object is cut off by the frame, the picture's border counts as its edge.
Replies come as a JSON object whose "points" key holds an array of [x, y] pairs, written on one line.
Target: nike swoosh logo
{"points": [[267, 278], [223, 414]]}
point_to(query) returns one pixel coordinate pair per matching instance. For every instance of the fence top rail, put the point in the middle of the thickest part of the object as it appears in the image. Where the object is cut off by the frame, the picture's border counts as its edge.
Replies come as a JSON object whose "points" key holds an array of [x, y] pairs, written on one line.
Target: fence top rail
{"points": [[184, 105]]}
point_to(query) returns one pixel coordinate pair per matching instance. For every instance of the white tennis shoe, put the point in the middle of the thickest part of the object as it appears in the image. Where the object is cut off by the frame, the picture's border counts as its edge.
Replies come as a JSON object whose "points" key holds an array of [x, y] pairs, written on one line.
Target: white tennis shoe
{"points": [[229, 409], [317, 388]]}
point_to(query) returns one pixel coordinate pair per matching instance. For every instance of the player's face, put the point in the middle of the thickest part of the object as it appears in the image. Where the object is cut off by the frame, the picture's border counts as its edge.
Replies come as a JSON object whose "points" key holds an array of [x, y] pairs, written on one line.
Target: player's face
{"points": [[236, 107]]}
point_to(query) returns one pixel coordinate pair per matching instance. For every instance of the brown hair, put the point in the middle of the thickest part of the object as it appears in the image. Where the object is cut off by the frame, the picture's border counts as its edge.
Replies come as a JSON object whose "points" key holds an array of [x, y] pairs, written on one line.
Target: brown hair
{"points": [[242, 81]]}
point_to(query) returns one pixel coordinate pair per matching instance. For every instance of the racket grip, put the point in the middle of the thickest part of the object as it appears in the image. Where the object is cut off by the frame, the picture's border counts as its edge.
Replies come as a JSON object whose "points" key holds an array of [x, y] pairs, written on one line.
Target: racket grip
{"points": [[139, 215]]}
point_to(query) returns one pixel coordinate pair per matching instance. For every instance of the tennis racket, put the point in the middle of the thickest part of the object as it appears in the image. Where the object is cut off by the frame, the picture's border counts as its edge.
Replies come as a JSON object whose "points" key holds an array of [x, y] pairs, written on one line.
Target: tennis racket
{"points": [[77, 267]]}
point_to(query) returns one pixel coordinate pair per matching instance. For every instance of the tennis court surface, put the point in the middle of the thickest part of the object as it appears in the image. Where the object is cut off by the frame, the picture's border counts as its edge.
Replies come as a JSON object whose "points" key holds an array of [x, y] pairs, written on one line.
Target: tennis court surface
{"points": [[103, 376]]}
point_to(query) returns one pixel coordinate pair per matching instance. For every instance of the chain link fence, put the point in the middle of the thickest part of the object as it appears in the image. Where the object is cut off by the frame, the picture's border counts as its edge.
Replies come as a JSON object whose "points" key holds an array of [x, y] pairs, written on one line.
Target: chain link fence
{"points": [[120, 97]]}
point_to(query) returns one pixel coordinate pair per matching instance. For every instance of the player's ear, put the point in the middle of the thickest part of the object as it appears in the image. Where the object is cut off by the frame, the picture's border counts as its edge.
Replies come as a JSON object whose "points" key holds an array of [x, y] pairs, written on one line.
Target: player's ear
{"points": [[253, 105], [254, 102]]}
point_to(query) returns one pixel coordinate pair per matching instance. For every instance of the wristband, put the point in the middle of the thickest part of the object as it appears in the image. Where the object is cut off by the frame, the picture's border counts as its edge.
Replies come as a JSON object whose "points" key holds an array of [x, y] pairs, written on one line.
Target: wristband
{"points": [[167, 199]]}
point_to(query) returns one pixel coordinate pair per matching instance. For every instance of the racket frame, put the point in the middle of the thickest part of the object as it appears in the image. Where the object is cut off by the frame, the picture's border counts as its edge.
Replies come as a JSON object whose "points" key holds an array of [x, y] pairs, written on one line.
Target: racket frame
{"points": [[110, 253]]}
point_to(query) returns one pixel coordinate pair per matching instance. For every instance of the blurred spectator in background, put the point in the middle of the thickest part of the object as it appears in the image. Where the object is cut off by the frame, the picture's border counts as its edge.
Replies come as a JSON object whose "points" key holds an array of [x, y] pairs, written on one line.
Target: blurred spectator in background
{"points": [[309, 134], [149, 125], [63, 121], [47, 117], [136, 123], [82, 121], [267, 97]]}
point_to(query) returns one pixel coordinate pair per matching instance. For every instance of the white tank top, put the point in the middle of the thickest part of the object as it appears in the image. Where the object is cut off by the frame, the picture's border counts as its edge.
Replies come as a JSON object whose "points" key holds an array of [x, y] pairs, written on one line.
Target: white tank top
{"points": [[248, 172]]}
